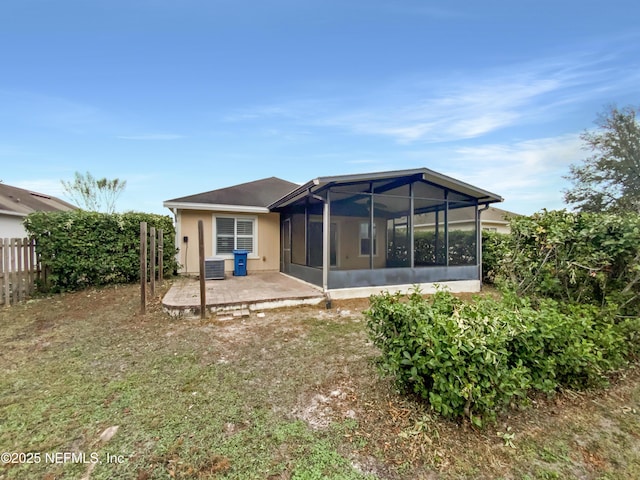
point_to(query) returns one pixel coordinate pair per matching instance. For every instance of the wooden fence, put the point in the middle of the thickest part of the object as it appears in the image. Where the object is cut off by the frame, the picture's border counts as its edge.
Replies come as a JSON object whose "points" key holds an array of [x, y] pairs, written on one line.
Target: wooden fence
{"points": [[150, 250], [19, 269]]}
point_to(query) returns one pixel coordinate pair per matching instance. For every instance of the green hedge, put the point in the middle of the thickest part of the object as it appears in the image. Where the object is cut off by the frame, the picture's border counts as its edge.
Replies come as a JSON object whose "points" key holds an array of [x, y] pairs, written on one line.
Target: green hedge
{"points": [[589, 258], [495, 247], [462, 249], [475, 359], [81, 249], [568, 316]]}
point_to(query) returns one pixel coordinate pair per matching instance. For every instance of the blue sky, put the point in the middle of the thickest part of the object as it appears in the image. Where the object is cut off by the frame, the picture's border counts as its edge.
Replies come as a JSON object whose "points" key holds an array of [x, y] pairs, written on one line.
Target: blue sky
{"points": [[179, 97]]}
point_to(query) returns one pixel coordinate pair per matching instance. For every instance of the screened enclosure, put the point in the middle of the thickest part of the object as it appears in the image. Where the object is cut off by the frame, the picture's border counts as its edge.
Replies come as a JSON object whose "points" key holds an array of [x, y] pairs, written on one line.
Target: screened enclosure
{"points": [[381, 229]]}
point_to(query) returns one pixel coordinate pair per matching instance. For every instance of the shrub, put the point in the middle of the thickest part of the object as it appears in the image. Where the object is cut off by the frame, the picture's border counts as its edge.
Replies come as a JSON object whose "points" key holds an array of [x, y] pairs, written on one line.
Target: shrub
{"points": [[474, 359], [81, 248], [495, 247], [589, 258]]}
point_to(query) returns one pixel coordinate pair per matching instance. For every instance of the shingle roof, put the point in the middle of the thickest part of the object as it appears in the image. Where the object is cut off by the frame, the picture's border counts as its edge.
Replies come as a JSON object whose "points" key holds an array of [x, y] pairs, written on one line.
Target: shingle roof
{"points": [[498, 215], [21, 202], [321, 183], [259, 193]]}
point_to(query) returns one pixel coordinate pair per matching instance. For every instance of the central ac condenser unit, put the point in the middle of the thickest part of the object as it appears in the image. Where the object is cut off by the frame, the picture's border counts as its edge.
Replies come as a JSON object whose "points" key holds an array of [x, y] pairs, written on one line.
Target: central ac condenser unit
{"points": [[214, 268]]}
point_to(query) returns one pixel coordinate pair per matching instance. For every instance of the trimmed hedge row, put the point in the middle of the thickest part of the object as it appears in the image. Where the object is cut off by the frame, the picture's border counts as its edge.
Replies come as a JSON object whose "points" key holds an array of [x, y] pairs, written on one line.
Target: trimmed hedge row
{"points": [[474, 359], [589, 258], [568, 316], [81, 248]]}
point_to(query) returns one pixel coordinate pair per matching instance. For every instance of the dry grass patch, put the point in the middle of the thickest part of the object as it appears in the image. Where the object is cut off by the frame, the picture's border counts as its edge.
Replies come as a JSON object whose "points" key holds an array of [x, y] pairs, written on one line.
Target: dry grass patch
{"points": [[293, 395]]}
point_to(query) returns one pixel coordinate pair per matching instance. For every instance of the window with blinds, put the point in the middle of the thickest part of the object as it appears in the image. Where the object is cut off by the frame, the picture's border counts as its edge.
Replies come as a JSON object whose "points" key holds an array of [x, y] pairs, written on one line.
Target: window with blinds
{"points": [[365, 241], [234, 234]]}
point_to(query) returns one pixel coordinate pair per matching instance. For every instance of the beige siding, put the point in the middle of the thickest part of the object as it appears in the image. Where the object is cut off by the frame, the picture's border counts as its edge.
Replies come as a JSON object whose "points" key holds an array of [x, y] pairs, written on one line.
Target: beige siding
{"points": [[266, 258], [500, 227], [11, 227], [349, 257]]}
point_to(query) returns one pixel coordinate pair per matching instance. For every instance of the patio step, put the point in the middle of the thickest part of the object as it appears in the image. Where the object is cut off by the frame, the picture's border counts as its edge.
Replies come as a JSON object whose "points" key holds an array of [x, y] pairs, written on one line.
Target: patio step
{"points": [[240, 294]]}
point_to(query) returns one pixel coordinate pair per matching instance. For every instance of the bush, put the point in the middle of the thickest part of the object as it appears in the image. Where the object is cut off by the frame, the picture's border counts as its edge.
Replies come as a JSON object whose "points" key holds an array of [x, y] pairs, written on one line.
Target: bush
{"points": [[430, 248], [495, 247], [81, 249], [474, 359], [591, 258]]}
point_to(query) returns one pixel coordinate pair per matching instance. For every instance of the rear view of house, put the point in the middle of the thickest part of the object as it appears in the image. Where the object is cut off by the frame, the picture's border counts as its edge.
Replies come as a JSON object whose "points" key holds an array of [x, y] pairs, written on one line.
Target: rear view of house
{"points": [[346, 232], [236, 217]]}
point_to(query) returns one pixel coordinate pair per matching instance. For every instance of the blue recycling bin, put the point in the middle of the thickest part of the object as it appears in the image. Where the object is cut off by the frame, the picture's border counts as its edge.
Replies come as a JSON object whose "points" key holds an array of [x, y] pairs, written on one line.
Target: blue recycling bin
{"points": [[240, 263]]}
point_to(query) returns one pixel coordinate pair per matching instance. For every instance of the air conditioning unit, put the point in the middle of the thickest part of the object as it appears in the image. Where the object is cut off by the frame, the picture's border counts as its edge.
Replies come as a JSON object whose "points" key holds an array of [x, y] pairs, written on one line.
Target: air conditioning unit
{"points": [[214, 268]]}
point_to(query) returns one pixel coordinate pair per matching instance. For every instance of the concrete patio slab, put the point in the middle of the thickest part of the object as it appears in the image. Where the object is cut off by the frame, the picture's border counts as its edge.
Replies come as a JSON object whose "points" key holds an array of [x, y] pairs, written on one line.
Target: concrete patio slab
{"points": [[256, 291]]}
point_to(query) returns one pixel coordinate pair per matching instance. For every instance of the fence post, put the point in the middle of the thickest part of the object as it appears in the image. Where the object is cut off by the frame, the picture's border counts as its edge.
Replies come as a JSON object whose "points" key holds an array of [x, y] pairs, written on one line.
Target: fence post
{"points": [[13, 274], [19, 272], [143, 267], [203, 291], [152, 265], [6, 279], [27, 267], [32, 264], [160, 255]]}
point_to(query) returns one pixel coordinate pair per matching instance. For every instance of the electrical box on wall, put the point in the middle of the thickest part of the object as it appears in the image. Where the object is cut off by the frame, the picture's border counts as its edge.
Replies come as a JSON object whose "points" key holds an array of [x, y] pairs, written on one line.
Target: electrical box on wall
{"points": [[185, 239]]}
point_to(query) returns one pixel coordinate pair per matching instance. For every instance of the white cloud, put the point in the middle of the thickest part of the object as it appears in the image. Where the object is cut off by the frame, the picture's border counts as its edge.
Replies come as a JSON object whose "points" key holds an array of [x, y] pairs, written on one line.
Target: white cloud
{"points": [[452, 107], [466, 108], [527, 173]]}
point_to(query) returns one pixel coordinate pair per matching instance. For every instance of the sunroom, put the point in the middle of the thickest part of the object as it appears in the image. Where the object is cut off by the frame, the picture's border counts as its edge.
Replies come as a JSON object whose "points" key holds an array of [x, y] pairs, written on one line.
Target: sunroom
{"points": [[382, 229]]}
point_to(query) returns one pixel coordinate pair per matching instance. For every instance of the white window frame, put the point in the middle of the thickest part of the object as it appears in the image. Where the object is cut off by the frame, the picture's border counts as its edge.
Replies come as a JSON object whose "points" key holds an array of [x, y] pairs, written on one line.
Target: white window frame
{"points": [[252, 218]]}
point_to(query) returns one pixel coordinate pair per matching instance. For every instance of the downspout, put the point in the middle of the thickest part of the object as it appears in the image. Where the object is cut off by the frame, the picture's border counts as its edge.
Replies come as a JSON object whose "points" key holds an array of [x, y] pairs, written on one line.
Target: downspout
{"points": [[479, 241]]}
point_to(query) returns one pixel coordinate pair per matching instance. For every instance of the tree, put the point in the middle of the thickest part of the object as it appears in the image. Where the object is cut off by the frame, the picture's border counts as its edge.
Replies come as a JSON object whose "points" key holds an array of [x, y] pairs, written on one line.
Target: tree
{"points": [[609, 180], [94, 194]]}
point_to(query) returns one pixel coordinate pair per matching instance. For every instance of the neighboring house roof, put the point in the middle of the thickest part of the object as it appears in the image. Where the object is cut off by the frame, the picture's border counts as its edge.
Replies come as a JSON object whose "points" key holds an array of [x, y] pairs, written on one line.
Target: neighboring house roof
{"points": [[251, 196], [321, 183], [20, 202], [498, 215], [492, 215]]}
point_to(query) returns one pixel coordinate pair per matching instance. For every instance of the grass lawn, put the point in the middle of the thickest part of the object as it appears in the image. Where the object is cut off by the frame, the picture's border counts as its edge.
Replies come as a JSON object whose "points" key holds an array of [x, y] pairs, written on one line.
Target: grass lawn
{"points": [[292, 395]]}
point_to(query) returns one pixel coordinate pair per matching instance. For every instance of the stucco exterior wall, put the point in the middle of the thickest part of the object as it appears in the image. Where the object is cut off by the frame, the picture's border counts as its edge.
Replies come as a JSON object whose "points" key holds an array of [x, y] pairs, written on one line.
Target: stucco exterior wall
{"points": [[500, 227], [11, 227], [349, 257], [267, 232], [347, 243]]}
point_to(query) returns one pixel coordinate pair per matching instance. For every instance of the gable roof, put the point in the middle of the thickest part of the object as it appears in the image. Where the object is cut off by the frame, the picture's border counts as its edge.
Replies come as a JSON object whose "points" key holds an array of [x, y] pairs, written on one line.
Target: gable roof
{"points": [[424, 174], [20, 202], [251, 196]]}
